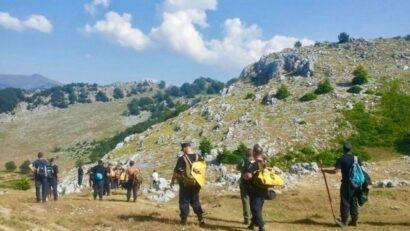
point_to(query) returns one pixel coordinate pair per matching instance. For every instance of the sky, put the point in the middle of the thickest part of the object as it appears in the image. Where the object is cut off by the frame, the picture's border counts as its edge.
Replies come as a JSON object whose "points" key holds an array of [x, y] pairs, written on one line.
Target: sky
{"points": [[106, 41]]}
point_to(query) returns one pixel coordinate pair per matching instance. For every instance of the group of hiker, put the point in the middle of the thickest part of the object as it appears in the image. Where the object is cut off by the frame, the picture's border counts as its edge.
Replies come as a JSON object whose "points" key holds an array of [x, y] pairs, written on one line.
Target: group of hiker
{"points": [[252, 189], [45, 178]]}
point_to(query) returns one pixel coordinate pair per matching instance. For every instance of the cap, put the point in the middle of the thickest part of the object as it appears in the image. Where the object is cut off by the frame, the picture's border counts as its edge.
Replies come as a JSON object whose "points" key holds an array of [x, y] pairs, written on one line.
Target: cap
{"points": [[347, 146]]}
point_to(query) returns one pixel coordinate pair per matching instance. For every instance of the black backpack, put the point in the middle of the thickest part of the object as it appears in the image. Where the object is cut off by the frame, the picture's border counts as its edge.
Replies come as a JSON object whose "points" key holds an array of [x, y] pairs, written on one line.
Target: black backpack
{"points": [[50, 171], [41, 169]]}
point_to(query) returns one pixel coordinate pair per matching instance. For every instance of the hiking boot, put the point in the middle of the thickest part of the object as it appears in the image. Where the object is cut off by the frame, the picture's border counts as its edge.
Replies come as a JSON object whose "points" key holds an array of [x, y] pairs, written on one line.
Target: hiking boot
{"points": [[251, 226], [261, 229], [353, 223], [183, 222], [246, 221], [341, 223], [201, 220]]}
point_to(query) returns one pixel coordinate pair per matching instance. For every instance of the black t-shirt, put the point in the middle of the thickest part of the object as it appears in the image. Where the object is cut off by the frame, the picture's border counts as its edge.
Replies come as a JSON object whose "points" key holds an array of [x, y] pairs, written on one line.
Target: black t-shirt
{"points": [[344, 163], [55, 171], [180, 167]]}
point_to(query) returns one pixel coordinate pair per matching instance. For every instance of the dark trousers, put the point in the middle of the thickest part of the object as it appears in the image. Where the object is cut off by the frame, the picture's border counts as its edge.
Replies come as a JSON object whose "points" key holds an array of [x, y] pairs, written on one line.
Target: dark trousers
{"points": [[132, 188], [98, 189], [189, 196], [257, 199], [80, 180], [41, 188], [348, 203], [107, 187], [53, 187], [155, 185], [245, 201]]}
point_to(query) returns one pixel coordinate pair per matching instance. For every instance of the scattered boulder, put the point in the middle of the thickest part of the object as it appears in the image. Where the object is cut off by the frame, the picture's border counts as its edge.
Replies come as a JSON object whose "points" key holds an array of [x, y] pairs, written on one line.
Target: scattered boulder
{"points": [[388, 183]]}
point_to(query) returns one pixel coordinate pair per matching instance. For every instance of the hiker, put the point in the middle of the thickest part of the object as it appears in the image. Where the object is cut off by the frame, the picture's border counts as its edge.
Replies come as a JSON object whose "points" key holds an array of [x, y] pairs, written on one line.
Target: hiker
{"points": [[107, 181], [80, 172], [256, 194], [52, 175], [39, 167], [133, 181], [90, 178], [99, 173], [243, 186], [348, 193], [123, 174], [188, 187], [155, 180]]}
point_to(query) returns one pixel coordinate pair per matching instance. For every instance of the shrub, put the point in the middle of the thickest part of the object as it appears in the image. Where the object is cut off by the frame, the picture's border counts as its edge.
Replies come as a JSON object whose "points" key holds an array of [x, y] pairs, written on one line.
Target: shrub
{"points": [[283, 92], [355, 90], [407, 37], [308, 97], [241, 151], [370, 92], [24, 167], [101, 97], [162, 84], [250, 96], [9, 98], [10, 166], [343, 37], [205, 146], [403, 145], [226, 157], [298, 44], [22, 184], [361, 76], [324, 88], [118, 93]]}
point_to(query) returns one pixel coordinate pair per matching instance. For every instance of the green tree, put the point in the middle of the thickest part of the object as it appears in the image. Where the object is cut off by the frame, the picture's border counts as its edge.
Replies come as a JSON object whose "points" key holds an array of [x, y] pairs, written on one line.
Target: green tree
{"points": [[308, 97], [162, 84], [324, 88], [343, 37], [118, 93], [298, 44], [10, 166], [205, 146], [361, 76], [24, 167], [101, 97], [283, 92]]}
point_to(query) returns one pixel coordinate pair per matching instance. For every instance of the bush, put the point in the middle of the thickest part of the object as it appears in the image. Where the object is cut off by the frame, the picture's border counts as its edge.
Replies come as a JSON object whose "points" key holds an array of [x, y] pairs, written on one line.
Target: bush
{"points": [[250, 96], [241, 151], [162, 84], [10, 166], [308, 97], [226, 157], [298, 44], [324, 88], [205, 146], [370, 92], [403, 145], [118, 93], [361, 76], [343, 37], [355, 90], [101, 97], [24, 167], [407, 37], [22, 184], [283, 92]]}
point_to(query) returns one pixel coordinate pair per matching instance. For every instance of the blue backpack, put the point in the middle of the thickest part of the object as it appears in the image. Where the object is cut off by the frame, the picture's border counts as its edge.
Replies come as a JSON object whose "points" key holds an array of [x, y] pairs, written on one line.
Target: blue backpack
{"points": [[98, 176], [357, 177]]}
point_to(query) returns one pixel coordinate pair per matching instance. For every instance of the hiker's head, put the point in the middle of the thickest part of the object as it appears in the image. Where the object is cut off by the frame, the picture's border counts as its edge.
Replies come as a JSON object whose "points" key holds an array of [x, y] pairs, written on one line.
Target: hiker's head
{"points": [[40, 155], [186, 147], [155, 170], [249, 153], [347, 147], [100, 162], [51, 160], [257, 152], [132, 163]]}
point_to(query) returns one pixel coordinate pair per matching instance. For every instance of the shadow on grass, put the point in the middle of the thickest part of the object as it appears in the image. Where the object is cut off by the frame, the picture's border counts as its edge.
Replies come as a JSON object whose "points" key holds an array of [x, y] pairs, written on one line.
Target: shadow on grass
{"points": [[308, 221], [153, 217], [380, 223]]}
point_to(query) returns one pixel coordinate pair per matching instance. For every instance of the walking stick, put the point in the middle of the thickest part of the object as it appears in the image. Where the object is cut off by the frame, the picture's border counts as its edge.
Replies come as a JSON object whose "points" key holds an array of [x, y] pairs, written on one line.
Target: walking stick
{"points": [[330, 197]]}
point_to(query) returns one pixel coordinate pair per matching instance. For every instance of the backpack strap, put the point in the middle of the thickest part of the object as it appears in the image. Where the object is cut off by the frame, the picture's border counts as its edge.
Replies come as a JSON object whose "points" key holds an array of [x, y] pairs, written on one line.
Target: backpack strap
{"points": [[187, 160], [356, 160]]}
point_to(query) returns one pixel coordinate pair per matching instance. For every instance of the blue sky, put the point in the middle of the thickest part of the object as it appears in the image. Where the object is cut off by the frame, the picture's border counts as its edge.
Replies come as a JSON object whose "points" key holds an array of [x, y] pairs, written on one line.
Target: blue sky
{"points": [[107, 41]]}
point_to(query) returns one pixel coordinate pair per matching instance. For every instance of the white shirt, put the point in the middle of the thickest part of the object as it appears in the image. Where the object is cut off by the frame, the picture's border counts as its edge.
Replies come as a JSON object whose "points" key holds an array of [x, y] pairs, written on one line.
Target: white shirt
{"points": [[155, 176]]}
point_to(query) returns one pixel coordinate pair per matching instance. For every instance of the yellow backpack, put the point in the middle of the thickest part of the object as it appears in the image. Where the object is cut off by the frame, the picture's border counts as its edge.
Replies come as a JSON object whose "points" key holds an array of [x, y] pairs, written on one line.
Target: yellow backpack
{"points": [[267, 178]]}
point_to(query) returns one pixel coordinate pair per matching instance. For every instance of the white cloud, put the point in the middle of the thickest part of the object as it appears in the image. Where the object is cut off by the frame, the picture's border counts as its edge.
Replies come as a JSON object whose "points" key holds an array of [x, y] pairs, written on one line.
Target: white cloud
{"points": [[180, 30], [118, 28], [91, 7], [35, 22]]}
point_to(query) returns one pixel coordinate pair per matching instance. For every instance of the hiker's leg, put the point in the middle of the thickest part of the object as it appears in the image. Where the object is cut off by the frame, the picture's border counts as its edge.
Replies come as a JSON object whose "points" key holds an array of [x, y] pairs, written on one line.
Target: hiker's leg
{"points": [[100, 189], [184, 200], [55, 192], [254, 208], [37, 183], [128, 187], [344, 203], [95, 189], [134, 192], [245, 203], [354, 209], [259, 200], [44, 188]]}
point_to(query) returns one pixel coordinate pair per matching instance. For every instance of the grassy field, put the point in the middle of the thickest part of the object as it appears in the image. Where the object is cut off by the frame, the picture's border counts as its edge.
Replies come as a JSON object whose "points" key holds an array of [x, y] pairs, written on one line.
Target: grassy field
{"points": [[32, 132], [303, 208]]}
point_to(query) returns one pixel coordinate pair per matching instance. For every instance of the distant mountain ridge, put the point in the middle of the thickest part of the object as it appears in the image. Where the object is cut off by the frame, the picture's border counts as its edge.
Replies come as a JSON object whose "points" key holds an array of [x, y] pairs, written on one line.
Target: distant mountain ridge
{"points": [[27, 82]]}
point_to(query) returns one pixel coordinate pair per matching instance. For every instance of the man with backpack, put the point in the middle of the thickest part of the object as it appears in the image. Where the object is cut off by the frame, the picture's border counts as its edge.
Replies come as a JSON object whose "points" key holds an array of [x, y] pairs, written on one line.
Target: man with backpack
{"points": [[257, 194], [350, 166], [99, 173], [243, 186], [134, 179], [188, 187], [52, 175], [39, 167]]}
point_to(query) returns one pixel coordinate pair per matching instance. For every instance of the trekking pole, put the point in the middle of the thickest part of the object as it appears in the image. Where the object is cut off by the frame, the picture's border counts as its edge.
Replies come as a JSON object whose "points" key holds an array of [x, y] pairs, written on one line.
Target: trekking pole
{"points": [[328, 194]]}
